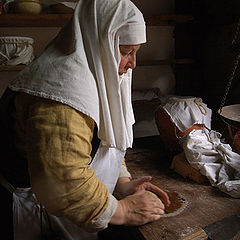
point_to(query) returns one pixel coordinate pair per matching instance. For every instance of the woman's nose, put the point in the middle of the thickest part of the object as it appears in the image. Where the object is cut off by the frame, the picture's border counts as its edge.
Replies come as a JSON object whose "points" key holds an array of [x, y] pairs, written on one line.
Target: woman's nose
{"points": [[132, 62]]}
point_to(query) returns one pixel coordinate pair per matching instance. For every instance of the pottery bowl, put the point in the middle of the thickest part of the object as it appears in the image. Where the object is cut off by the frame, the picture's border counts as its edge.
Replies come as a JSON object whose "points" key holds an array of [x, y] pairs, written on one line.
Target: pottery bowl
{"points": [[23, 6]]}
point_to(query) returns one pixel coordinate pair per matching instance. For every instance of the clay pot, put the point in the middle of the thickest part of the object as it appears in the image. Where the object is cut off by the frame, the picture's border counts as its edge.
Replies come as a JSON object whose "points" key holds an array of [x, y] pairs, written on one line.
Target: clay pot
{"points": [[169, 132], [235, 137], [166, 130], [231, 116]]}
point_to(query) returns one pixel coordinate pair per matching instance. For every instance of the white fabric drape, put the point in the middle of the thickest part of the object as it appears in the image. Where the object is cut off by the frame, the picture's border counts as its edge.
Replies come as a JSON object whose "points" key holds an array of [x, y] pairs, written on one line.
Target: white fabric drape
{"points": [[187, 111], [80, 67], [204, 149], [214, 159]]}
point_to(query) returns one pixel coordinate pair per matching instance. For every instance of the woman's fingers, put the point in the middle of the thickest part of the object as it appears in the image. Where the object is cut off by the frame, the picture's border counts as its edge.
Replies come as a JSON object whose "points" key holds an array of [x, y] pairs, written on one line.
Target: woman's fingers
{"points": [[143, 183], [162, 194], [141, 207], [156, 200], [142, 180], [152, 200]]}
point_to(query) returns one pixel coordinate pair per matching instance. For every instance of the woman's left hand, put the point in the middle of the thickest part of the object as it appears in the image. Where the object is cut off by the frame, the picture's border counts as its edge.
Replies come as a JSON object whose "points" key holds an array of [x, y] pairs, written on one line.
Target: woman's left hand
{"points": [[125, 186]]}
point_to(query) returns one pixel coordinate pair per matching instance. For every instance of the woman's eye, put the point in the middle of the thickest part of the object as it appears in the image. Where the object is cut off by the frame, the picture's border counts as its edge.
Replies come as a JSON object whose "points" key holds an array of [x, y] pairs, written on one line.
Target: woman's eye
{"points": [[125, 53]]}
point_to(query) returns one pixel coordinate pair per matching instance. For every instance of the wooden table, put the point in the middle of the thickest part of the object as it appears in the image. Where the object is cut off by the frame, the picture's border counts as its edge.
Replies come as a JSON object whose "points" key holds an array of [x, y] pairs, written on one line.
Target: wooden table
{"points": [[206, 204]]}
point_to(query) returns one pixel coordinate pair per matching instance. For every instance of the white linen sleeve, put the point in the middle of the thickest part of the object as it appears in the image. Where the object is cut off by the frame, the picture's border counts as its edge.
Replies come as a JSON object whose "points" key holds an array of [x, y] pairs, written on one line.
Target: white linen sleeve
{"points": [[124, 172], [102, 222]]}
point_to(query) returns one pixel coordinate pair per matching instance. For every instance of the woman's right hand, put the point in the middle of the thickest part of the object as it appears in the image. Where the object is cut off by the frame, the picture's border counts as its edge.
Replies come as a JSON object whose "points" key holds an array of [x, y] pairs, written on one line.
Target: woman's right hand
{"points": [[138, 209]]}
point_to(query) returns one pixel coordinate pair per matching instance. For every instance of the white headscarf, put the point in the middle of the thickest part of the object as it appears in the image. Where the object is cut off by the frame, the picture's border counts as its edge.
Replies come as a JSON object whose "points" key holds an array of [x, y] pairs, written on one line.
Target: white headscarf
{"points": [[80, 67]]}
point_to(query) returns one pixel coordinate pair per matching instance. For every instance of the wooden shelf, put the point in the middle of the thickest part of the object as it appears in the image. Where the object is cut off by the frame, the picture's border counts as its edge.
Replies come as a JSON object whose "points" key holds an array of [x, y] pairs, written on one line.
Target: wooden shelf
{"points": [[59, 20], [12, 68], [27, 20], [140, 63]]}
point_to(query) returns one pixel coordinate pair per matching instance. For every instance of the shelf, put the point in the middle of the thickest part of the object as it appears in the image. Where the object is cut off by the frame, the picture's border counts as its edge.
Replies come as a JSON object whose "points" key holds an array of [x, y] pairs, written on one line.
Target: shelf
{"points": [[140, 63], [12, 68], [27, 20], [59, 20]]}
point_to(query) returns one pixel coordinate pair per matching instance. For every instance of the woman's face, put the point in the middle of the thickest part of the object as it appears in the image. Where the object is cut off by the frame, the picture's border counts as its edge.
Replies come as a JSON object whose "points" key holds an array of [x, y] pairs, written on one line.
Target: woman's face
{"points": [[128, 57]]}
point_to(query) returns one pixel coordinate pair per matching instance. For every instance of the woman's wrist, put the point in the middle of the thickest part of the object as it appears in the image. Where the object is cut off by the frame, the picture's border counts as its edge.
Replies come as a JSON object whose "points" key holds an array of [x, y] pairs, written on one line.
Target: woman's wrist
{"points": [[121, 190], [124, 172], [118, 217], [123, 180]]}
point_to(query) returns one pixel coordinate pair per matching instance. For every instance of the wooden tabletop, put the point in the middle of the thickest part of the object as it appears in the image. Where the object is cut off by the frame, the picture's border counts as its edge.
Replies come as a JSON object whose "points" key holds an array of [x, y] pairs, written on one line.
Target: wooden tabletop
{"points": [[205, 204]]}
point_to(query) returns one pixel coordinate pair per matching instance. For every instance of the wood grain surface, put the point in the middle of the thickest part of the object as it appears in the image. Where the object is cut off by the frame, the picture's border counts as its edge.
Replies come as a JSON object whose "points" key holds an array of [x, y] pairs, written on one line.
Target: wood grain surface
{"points": [[206, 204]]}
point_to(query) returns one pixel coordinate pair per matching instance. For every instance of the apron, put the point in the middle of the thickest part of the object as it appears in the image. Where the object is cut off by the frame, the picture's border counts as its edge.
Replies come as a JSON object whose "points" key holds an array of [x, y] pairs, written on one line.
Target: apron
{"points": [[31, 221]]}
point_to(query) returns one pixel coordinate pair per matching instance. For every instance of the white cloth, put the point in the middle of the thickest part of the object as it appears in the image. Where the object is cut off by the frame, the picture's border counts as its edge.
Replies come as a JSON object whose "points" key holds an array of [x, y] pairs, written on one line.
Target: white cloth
{"points": [[215, 160], [187, 111], [105, 168], [80, 67], [203, 148], [16, 50]]}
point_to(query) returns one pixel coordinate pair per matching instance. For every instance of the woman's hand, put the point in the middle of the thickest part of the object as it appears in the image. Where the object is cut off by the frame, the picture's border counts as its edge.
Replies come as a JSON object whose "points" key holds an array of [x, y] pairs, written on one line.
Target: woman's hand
{"points": [[126, 187], [138, 209], [138, 205]]}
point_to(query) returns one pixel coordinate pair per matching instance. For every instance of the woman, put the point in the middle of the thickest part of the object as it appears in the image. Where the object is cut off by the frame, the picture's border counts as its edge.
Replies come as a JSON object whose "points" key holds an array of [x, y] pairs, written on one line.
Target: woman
{"points": [[81, 82]]}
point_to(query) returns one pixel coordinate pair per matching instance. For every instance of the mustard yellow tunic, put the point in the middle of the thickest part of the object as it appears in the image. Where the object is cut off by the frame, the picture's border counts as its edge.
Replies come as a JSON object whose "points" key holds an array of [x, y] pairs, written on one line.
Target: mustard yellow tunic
{"points": [[56, 141]]}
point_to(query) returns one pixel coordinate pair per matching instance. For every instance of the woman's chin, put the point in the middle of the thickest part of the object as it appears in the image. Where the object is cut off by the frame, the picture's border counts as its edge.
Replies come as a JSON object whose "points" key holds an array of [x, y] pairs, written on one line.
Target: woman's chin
{"points": [[121, 73]]}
